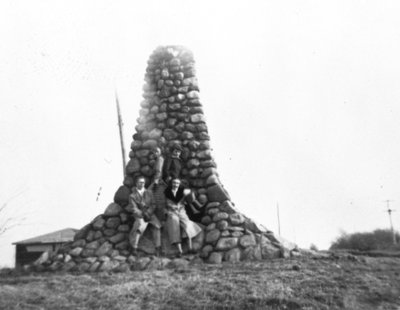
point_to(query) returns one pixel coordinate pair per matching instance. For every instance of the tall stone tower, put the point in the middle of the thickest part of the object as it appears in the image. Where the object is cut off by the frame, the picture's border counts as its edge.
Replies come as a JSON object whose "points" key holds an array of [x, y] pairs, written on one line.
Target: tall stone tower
{"points": [[171, 113]]}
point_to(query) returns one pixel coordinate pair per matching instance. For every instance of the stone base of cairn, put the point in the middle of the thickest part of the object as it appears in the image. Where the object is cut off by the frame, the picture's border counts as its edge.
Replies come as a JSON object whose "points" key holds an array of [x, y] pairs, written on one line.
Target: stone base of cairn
{"points": [[171, 113]]}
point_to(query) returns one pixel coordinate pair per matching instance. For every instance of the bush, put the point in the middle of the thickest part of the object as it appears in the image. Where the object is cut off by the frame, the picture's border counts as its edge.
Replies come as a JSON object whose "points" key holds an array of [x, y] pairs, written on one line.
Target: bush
{"points": [[379, 239]]}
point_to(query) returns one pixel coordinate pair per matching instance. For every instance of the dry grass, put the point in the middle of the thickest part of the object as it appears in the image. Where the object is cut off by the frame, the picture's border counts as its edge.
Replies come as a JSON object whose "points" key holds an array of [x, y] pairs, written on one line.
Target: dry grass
{"points": [[366, 283]]}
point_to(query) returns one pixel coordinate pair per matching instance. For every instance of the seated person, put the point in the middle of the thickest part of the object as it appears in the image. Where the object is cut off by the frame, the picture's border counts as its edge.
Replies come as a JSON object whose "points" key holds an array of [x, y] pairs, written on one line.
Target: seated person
{"points": [[176, 216], [143, 206]]}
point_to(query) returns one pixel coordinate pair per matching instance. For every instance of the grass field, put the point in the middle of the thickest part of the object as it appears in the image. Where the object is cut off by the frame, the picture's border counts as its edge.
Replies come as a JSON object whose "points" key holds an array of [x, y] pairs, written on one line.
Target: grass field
{"points": [[345, 282]]}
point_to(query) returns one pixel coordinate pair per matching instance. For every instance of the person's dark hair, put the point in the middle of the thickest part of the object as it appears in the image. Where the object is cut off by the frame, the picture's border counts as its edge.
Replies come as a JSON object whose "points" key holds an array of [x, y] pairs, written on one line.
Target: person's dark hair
{"points": [[176, 147]]}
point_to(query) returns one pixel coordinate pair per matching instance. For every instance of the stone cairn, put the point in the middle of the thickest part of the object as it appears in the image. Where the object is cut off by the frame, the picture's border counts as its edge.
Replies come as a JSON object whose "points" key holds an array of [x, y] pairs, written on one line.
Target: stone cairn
{"points": [[171, 113]]}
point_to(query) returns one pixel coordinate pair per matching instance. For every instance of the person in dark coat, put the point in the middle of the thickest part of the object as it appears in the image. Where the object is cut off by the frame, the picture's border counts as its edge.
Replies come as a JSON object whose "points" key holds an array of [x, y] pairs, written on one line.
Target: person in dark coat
{"points": [[173, 164]]}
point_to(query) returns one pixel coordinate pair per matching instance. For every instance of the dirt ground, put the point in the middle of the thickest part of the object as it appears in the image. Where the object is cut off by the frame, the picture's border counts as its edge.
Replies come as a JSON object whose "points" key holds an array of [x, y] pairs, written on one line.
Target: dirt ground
{"points": [[335, 282]]}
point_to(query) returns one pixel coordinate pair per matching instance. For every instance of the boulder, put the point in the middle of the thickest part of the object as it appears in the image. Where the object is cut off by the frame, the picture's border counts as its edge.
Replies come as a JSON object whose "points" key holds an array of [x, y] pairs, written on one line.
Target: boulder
{"points": [[212, 236], [217, 193], [233, 255], [215, 258], [121, 197], [247, 240], [105, 248], [226, 243], [113, 209]]}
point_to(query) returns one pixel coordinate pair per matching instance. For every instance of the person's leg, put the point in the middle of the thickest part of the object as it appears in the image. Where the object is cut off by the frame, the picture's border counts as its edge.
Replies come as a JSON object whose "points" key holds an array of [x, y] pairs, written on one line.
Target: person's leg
{"points": [[134, 236], [173, 228], [157, 239], [191, 229], [179, 248]]}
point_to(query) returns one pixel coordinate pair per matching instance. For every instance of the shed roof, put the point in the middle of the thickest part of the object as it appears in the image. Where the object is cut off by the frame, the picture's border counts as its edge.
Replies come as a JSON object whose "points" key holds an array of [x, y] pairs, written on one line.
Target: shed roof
{"points": [[63, 235]]}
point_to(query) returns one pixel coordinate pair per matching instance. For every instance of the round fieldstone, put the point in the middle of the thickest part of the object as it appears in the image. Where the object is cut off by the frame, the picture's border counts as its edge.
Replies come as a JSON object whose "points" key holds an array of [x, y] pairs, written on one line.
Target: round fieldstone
{"points": [[225, 233], [197, 118], [206, 154], [220, 216], [193, 173], [92, 245], [155, 134], [123, 245], [128, 181], [192, 94], [215, 258], [228, 207], [170, 134], [82, 233], [146, 171], [207, 163], [187, 135], [78, 243], [179, 75], [90, 236], [236, 219], [217, 193], [98, 224], [212, 211], [193, 163], [117, 237], [104, 249], [252, 253], [222, 225], [150, 144], [212, 236], [206, 220], [98, 234], [133, 166], [233, 255], [237, 234], [247, 240], [213, 204], [226, 243], [76, 251], [205, 251], [124, 217], [94, 267], [113, 222], [123, 228], [109, 232], [135, 145], [180, 97], [121, 197], [211, 226], [212, 179], [161, 116], [142, 153], [208, 171]]}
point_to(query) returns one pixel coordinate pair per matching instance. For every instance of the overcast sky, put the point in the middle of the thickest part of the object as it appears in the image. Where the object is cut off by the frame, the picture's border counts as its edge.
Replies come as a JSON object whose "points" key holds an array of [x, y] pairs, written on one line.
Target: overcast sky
{"points": [[301, 100]]}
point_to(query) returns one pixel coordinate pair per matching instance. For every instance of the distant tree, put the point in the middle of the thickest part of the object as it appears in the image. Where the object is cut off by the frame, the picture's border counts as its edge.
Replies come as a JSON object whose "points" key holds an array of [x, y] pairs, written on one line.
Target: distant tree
{"points": [[379, 239], [313, 247], [8, 221]]}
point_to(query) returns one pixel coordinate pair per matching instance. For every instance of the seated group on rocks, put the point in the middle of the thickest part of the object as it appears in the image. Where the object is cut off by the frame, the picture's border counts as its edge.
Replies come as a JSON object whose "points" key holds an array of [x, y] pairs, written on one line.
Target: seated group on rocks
{"points": [[179, 202]]}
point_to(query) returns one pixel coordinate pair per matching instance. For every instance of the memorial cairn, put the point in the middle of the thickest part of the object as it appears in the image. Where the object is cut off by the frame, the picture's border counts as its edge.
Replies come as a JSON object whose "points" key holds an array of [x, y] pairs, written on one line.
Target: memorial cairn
{"points": [[170, 114]]}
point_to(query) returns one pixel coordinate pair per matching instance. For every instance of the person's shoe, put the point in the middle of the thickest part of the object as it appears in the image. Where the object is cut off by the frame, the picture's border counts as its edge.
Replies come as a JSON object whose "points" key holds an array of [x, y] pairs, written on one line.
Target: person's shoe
{"points": [[158, 251], [134, 252], [179, 255]]}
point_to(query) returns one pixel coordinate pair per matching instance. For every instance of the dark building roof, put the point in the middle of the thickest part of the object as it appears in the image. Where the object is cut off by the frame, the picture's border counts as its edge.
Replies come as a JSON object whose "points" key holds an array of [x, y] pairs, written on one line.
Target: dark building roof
{"points": [[59, 236]]}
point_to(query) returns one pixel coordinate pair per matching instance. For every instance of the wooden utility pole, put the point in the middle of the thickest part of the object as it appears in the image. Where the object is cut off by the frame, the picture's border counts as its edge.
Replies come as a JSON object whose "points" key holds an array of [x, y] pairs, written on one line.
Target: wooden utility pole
{"points": [[389, 211], [279, 221], [121, 136]]}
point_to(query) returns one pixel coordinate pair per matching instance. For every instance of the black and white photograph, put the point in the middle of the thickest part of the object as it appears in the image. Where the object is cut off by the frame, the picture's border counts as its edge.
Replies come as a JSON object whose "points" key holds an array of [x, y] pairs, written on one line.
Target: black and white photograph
{"points": [[200, 154]]}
